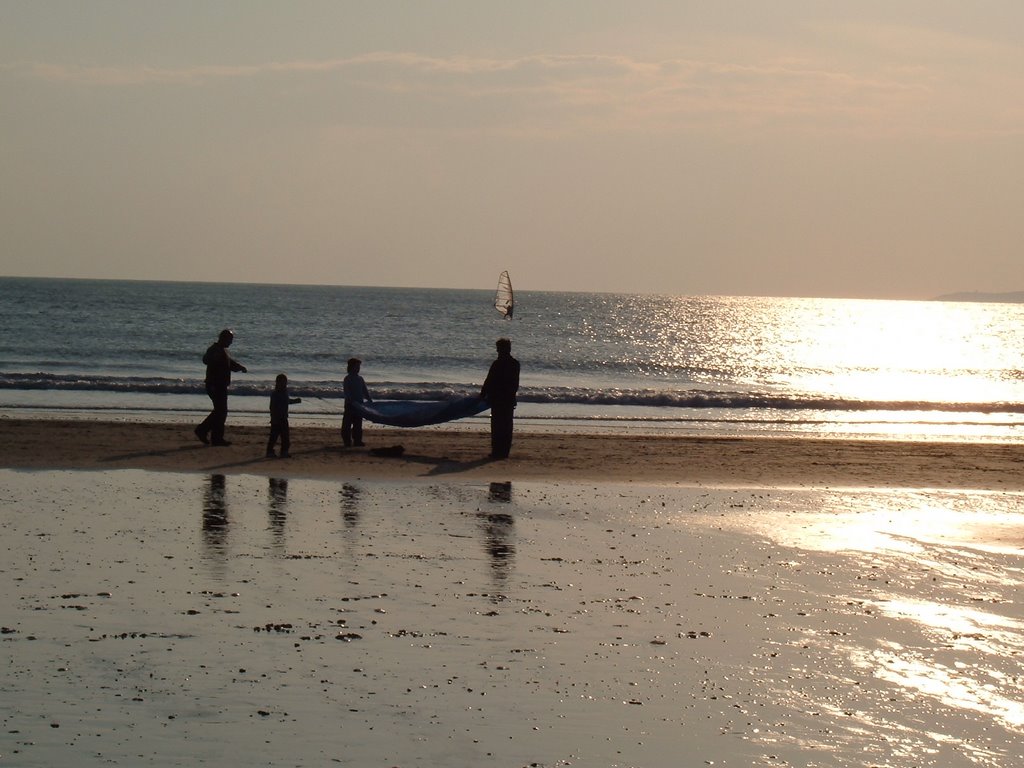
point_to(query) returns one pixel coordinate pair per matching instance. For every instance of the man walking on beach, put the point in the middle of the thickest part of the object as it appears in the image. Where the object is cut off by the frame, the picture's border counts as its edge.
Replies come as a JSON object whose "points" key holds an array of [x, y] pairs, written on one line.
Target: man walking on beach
{"points": [[499, 390], [219, 365]]}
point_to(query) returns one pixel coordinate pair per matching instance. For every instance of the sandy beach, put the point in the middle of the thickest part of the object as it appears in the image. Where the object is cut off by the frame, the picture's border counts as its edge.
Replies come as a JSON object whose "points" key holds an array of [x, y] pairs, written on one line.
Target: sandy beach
{"points": [[462, 455], [593, 601]]}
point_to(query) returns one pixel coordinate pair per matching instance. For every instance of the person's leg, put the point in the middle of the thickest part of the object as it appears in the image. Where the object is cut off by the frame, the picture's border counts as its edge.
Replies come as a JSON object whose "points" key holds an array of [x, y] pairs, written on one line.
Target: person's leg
{"points": [[507, 435], [501, 432], [219, 396], [286, 442], [505, 439], [275, 430], [357, 430], [346, 428], [203, 430]]}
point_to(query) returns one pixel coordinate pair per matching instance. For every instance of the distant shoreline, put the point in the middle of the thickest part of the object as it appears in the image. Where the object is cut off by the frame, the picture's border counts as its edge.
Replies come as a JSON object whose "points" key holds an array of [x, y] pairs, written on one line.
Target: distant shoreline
{"points": [[1008, 297], [1012, 297]]}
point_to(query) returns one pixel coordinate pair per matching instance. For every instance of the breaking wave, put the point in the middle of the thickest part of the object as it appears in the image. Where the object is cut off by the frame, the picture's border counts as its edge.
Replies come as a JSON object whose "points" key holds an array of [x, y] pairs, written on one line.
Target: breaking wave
{"points": [[648, 398]]}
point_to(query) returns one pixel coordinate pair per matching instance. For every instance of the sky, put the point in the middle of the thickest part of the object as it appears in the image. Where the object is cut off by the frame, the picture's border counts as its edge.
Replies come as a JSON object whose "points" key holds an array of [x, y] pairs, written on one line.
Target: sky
{"points": [[730, 147]]}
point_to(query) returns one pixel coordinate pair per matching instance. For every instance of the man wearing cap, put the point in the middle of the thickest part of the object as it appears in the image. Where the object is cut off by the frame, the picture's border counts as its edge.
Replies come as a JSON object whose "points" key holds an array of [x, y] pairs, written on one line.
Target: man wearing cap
{"points": [[219, 365]]}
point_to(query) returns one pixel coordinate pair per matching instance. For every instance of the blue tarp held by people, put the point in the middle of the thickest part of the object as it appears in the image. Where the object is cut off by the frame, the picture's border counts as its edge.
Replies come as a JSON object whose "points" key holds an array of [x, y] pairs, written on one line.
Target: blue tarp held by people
{"points": [[414, 413]]}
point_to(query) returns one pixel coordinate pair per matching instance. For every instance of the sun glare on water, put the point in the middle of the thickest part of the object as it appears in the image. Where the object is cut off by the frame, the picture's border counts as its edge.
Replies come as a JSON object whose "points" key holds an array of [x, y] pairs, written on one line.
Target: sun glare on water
{"points": [[909, 351], [858, 350]]}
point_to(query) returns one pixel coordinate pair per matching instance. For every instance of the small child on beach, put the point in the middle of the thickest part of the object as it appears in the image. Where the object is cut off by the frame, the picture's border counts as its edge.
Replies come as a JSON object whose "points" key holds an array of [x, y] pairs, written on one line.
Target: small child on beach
{"points": [[355, 392], [279, 402]]}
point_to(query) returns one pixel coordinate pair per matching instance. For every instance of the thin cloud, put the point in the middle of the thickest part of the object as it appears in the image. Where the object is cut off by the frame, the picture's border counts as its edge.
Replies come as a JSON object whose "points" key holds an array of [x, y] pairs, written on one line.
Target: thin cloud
{"points": [[601, 92]]}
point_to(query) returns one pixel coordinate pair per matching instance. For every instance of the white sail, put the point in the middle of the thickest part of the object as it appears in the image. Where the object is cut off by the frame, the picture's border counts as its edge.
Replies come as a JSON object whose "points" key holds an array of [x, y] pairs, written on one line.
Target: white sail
{"points": [[504, 300]]}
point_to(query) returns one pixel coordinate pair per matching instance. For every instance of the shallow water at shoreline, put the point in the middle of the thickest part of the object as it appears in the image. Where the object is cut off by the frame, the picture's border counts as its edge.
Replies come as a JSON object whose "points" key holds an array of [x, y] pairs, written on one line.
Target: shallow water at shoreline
{"points": [[930, 426], [166, 619]]}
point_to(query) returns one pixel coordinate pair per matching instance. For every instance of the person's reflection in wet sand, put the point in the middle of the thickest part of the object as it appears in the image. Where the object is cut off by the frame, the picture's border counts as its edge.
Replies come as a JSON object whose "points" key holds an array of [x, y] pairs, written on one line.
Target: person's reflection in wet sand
{"points": [[215, 518], [498, 535], [350, 505], [500, 492], [277, 492], [348, 499]]}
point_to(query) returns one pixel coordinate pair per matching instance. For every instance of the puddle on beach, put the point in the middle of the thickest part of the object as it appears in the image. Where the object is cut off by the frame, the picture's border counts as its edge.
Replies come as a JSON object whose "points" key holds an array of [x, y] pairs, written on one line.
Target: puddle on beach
{"points": [[160, 619]]}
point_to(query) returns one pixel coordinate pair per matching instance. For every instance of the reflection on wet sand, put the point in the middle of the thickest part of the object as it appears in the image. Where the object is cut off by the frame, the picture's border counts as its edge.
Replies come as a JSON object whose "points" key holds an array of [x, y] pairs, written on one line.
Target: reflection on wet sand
{"points": [[939, 570], [215, 516], [990, 638], [499, 532], [500, 492], [277, 509], [349, 496], [215, 526], [638, 622], [984, 691]]}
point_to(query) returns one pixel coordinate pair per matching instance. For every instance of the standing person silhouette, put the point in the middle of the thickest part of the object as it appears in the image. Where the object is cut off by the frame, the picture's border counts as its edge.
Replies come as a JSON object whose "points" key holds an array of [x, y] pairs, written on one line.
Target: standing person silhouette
{"points": [[499, 390], [355, 392], [219, 365], [280, 399]]}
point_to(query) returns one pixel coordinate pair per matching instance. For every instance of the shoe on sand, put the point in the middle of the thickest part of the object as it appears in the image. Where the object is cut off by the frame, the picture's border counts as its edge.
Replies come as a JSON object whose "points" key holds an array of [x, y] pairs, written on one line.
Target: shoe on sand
{"points": [[202, 436]]}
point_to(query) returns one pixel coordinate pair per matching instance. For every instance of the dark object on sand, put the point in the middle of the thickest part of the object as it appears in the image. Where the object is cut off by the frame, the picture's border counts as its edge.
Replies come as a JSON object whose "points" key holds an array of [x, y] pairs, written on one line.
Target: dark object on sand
{"points": [[415, 413], [389, 450]]}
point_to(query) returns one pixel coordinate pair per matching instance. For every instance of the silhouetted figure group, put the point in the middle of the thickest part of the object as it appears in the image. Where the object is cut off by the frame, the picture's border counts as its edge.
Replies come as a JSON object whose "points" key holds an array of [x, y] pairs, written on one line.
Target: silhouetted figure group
{"points": [[499, 390]]}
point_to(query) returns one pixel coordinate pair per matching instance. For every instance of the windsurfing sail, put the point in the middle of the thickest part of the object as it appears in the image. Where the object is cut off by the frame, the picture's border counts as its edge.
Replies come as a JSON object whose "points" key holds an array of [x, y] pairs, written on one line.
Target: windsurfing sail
{"points": [[504, 300], [410, 413]]}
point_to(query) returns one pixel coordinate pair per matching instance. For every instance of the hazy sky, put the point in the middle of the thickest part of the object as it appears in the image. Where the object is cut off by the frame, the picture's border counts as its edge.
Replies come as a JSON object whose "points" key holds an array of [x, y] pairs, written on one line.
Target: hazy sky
{"points": [[751, 147]]}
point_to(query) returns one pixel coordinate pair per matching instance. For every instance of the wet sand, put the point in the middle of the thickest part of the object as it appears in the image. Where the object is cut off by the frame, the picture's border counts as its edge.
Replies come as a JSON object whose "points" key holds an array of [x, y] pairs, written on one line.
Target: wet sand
{"points": [[462, 455], [444, 610]]}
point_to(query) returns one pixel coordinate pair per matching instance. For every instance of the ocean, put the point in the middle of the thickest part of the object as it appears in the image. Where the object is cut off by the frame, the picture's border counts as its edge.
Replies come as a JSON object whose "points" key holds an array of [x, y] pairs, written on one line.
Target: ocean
{"points": [[591, 362]]}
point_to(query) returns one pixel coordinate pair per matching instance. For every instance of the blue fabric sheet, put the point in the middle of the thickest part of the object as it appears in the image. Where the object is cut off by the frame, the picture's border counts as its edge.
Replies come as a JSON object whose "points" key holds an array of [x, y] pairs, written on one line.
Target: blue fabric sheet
{"points": [[412, 413]]}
